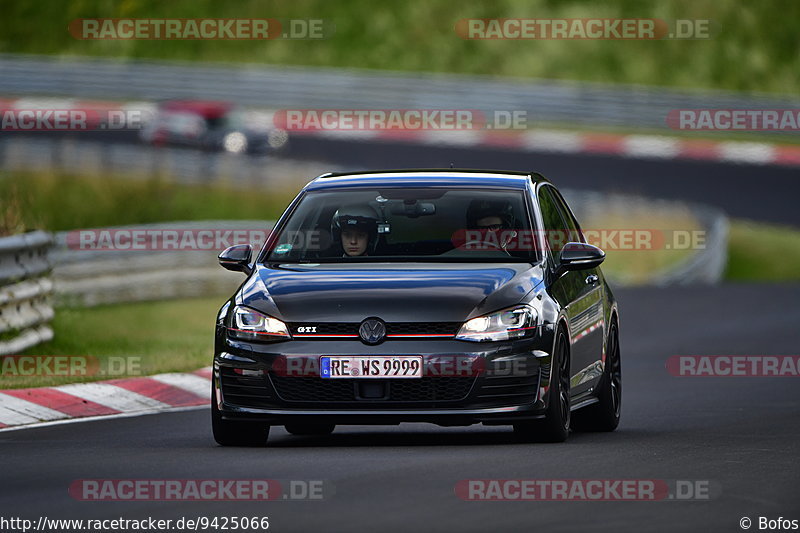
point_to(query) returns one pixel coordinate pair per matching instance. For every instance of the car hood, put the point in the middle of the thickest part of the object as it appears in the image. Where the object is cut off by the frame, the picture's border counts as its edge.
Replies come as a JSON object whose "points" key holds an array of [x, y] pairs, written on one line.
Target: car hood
{"points": [[414, 292]]}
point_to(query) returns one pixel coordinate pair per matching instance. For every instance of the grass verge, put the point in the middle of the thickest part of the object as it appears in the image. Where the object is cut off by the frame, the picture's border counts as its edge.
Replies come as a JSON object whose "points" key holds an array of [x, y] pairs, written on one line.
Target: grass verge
{"points": [[59, 202], [127, 340], [763, 252]]}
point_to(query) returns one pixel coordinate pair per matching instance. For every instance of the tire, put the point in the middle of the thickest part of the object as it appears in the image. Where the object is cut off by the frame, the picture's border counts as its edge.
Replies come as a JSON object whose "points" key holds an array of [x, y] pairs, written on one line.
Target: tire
{"points": [[236, 433], [556, 423], [310, 429], [605, 414]]}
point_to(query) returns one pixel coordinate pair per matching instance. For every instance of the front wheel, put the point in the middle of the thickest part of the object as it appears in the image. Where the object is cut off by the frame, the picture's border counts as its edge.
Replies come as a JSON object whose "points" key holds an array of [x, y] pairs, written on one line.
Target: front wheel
{"points": [[234, 432], [555, 426], [604, 415]]}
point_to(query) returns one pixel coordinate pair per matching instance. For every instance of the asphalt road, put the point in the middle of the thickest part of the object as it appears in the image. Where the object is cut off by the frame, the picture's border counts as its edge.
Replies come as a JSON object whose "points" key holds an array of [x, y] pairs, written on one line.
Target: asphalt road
{"points": [[740, 434], [758, 192]]}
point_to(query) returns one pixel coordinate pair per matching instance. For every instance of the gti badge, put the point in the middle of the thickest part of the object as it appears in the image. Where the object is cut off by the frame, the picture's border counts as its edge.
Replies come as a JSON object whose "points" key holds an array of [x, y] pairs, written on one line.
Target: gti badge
{"points": [[372, 331]]}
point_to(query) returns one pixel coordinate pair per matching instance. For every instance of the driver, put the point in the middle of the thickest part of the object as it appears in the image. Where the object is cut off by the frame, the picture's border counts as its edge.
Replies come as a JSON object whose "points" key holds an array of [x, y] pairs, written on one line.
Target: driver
{"points": [[357, 227], [494, 219]]}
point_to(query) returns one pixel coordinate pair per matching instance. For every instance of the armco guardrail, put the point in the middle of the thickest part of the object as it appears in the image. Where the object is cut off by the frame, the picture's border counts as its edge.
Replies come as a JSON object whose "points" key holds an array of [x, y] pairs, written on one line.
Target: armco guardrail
{"points": [[85, 277], [25, 290], [704, 265], [273, 87], [84, 157]]}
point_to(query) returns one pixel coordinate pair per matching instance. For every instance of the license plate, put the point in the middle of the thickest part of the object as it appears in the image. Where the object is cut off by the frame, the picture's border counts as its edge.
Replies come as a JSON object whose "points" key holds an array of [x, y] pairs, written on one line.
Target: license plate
{"points": [[365, 367]]}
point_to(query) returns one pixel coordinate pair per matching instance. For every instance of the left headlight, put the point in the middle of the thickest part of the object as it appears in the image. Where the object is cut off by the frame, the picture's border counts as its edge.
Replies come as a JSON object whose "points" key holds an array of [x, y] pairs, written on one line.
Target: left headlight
{"points": [[249, 324], [512, 323]]}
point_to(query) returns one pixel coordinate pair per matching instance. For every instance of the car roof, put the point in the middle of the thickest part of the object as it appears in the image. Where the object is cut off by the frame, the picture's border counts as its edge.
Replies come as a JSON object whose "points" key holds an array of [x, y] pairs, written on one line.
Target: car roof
{"points": [[431, 177]]}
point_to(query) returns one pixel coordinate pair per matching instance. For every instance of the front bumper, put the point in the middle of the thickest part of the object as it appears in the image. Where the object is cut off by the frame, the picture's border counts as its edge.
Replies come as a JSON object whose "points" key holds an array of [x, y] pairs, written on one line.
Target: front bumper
{"points": [[279, 383], [442, 417]]}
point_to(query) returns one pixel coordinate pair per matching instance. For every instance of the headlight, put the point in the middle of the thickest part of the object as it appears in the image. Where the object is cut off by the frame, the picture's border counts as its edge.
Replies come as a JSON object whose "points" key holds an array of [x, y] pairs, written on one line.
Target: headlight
{"points": [[512, 323], [249, 324], [235, 142]]}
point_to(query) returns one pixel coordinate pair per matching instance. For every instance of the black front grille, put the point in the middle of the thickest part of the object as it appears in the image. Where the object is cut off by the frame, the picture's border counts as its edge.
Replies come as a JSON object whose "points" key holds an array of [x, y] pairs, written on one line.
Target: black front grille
{"points": [[508, 390], [419, 328], [245, 391], [314, 389], [392, 328], [434, 389]]}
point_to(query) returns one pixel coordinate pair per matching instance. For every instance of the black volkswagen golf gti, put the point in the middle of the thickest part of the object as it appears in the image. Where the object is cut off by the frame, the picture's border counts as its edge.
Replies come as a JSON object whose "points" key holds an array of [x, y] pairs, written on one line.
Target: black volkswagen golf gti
{"points": [[446, 296]]}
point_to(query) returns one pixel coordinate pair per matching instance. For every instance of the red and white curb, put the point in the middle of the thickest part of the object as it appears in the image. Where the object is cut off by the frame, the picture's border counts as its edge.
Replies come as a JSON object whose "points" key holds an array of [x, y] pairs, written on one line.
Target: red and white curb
{"points": [[534, 140], [554, 141], [119, 397]]}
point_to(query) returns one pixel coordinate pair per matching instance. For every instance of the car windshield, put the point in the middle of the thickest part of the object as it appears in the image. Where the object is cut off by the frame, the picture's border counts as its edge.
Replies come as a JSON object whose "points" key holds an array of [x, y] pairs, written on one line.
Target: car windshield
{"points": [[402, 224]]}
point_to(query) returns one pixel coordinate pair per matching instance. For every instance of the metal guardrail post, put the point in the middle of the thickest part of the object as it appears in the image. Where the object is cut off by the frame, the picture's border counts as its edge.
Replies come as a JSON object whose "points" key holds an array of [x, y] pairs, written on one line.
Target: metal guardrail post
{"points": [[25, 291]]}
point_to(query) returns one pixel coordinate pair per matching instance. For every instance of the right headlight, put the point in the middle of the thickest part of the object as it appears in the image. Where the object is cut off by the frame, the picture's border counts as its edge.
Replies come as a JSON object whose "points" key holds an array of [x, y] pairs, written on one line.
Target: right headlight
{"points": [[512, 323], [249, 324]]}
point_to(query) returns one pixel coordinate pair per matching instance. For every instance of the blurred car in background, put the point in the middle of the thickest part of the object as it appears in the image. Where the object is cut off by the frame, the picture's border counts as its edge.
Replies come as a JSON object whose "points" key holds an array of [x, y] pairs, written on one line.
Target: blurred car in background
{"points": [[212, 126]]}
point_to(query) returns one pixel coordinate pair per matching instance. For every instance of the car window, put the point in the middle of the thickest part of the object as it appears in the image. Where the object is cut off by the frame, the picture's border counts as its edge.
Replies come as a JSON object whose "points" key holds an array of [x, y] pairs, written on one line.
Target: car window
{"points": [[575, 234], [406, 224], [556, 230]]}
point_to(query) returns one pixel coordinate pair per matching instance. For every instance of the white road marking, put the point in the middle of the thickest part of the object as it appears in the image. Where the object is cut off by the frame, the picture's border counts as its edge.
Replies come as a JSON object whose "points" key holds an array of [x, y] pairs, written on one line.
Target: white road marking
{"points": [[111, 396], [197, 385], [746, 152], [651, 146], [553, 141], [16, 411]]}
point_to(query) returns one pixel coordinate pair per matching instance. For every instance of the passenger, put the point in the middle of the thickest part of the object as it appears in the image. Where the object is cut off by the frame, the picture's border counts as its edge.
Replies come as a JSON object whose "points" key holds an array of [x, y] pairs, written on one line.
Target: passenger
{"points": [[494, 220]]}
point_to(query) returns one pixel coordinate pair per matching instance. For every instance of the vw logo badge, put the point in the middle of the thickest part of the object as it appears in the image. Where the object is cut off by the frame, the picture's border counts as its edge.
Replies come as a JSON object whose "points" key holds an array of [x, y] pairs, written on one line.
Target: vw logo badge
{"points": [[372, 331]]}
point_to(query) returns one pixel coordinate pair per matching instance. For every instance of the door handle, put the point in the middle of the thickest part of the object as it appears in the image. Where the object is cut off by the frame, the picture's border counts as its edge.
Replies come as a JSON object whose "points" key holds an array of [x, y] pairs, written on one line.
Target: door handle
{"points": [[591, 278]]}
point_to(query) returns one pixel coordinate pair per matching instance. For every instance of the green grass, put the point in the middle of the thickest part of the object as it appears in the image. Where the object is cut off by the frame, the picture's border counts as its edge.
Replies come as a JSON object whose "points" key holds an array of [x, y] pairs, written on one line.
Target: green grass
{"points": [[754, 45], [151, 338], [763, 252], [58, 202]]}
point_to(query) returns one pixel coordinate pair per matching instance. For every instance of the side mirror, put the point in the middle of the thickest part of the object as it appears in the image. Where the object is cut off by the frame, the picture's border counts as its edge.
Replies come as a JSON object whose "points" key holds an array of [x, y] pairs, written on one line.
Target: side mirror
{"points": [[236, 258], [580, 256]]}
